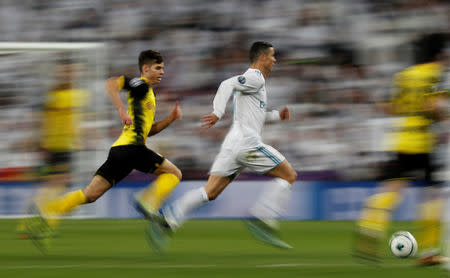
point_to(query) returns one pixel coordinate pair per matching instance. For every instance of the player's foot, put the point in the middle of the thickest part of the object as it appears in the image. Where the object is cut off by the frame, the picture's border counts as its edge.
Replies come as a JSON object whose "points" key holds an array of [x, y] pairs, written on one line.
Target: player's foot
{"points": [[144, 208], [265, 233], [170, 218], [366, 245], [38, 228], [158, 234]]}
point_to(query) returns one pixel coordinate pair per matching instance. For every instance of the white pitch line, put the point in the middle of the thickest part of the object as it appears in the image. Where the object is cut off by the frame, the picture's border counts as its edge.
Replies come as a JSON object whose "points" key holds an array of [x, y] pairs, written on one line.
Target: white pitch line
{"points": [[304, 264], [326, 265], [185, 266], [104, 266]]}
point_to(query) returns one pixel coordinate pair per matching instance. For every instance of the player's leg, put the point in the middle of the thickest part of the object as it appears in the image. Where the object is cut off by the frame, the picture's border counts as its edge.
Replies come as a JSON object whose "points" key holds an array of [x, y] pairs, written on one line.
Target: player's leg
{"points": [[56, 176], [446, 226], [430, 214], [429, 223], [156, 193], [177, 212], [112, 171], [374, 219], [115, 168], [151, 198], [174, 215], [53, 186], [377, 210], [40, 227], [272, 202], [66, 203], [224, 169]]}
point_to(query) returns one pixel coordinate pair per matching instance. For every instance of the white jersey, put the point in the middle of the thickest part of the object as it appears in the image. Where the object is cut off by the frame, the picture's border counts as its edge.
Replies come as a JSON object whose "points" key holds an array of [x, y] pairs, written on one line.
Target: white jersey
{"points": [[249, 108]]}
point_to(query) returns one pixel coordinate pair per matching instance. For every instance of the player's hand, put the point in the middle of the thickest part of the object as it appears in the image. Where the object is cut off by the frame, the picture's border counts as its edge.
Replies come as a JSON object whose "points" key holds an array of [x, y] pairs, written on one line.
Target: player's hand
{"points": [[209, 120], [126, 119], [285, 114], [176, 112]]}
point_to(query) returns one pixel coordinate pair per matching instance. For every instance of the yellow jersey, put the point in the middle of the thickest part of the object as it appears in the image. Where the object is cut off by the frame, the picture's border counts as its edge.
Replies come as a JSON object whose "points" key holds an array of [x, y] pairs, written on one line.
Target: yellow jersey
{"points": [[61, 119], [141, 108], [412, 89]]}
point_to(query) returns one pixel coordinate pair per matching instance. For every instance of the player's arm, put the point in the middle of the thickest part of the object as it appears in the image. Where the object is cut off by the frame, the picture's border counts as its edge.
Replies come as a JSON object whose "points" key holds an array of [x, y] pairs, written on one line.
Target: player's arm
{"points": [[113, 86], [219, 104], [174, 115], [247, 84]]}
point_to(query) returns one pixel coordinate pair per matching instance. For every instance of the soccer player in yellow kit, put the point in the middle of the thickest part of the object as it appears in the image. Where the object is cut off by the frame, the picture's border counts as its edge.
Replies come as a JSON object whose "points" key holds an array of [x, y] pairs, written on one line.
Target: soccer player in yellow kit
{"points": [[60, 133], [417, 102], [128, 152]]}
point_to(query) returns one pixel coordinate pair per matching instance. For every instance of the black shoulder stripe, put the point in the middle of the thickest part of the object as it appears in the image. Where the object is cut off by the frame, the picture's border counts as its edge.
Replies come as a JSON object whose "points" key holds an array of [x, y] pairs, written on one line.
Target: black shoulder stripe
{"points": [[136, 82], [139, 88]]}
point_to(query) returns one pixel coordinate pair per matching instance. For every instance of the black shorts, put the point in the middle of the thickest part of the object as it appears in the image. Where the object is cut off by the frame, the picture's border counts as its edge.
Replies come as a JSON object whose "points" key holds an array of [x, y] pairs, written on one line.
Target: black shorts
{"points": [[57, 163], [411, 167], [123, 159]]}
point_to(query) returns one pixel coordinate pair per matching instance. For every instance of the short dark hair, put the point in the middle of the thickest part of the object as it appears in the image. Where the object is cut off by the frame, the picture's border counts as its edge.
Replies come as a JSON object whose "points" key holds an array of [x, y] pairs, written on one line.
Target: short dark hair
{"points": [[149, 57], [257, 49], [427, 47]]}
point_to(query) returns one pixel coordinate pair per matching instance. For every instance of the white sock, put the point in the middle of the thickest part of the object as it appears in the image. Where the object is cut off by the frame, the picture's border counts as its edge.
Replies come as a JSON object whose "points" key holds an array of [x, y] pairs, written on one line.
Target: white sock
{"points": [[273, 202], [177, 212]]}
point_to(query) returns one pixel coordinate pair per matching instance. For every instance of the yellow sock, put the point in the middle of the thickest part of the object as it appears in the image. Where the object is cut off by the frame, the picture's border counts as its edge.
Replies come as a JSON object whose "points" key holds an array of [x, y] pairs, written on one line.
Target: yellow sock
{"points": [[159, 190], [430, 225], [64, 204], [43, 195], [377, 211], [47, 193]]}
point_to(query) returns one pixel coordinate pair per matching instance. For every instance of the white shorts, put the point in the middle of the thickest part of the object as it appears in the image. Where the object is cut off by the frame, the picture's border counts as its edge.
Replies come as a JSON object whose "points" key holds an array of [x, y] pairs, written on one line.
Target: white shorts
{"points": [[261, 159]]}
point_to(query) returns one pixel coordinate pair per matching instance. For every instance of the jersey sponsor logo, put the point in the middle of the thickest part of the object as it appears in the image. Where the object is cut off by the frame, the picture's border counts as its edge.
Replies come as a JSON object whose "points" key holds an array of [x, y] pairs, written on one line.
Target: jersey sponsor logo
{"points": [[135, 82], [241, 79], [262, 104]]}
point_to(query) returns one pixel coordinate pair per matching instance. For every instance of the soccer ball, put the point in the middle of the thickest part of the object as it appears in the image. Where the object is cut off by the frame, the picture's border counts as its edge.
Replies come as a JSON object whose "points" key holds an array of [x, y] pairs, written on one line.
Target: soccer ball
{"points": [[403, 244]]}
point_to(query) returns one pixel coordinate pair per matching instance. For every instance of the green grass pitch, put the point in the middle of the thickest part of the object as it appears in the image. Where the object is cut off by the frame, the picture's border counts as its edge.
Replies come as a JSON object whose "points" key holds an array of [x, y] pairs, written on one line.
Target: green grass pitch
{"points": [[202, 248]]}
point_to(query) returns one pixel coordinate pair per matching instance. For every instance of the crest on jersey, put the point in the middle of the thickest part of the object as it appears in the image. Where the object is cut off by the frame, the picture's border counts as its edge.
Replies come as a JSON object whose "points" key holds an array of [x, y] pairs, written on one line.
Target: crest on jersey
{"points": [[241, 79]]}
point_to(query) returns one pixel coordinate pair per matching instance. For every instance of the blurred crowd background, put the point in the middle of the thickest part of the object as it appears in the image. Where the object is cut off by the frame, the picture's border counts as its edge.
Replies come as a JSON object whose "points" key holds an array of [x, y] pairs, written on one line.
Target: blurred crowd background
{"points": [[335, 63]]}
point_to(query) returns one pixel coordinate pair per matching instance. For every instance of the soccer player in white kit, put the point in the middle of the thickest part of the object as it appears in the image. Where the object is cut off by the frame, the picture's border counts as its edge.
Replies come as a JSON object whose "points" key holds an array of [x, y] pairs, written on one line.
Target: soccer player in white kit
{"points": [[243, 148]]}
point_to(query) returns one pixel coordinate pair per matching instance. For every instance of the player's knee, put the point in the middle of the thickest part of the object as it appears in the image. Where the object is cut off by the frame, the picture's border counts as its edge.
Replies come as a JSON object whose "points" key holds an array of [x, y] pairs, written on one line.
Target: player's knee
{"points": [[172, 169], [176, 172], [292, 176]]}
